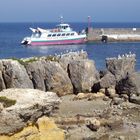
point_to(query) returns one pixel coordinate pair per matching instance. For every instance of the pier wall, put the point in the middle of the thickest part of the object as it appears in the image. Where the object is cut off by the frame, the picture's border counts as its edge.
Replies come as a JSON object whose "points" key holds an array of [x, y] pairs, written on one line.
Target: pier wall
{"points": [[114, 34]]}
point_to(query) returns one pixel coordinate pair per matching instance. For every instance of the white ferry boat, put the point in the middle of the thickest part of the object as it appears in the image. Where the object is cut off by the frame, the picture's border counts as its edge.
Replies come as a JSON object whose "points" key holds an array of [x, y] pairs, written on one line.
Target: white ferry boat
{"points": [[61, 35]]}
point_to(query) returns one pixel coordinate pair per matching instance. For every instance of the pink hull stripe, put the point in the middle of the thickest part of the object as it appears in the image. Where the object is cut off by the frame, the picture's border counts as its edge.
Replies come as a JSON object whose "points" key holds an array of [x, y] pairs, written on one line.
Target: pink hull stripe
{"points": [[64, 42]]}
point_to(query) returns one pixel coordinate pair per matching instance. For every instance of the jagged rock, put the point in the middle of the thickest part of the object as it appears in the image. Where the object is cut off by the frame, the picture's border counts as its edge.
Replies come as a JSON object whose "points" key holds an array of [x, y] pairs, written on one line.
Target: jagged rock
{"points": [[129, 85], [108, 80], [121, 67], [43, 129], [57, 79], [36, 72], [83, 75], [102, 73], [30, 105], [71, 56], [2, 84], [49, 76], [15, 75]]}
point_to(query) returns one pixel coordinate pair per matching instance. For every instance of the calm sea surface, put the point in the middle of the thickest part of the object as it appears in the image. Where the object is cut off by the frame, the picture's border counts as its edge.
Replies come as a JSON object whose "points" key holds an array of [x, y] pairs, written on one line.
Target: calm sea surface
{"points": [[11, 35]]}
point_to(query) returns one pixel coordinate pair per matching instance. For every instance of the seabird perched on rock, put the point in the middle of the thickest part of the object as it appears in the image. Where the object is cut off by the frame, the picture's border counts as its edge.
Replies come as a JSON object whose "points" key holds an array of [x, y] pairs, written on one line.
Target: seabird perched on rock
{"points": [[107, 58], [134, 55], [126, 55], [119, 57]]}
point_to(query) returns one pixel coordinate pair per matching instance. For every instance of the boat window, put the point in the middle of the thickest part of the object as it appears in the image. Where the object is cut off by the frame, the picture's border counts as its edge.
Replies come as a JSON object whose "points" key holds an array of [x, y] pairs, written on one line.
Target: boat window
{"points": [[58, 34], [63, 34], [49, 35], [54, 35], [72, 33], [67, 34]]}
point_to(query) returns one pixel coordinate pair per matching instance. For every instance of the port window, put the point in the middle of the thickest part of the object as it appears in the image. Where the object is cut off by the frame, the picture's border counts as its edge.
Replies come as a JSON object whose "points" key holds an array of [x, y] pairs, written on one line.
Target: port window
{"points": [[72, 34], [67, 34], [49, 35], [58, 34], [54, 35], [63, 34]]}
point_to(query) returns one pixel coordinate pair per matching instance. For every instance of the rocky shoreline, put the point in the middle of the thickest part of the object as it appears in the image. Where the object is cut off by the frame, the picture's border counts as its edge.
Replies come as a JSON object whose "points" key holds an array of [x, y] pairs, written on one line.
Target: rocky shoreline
{"points": [[81, 102]]}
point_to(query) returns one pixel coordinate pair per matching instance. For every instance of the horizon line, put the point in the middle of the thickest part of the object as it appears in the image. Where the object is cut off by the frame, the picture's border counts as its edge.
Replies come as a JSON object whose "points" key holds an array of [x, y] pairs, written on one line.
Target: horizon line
{"points": [[69, 22]]}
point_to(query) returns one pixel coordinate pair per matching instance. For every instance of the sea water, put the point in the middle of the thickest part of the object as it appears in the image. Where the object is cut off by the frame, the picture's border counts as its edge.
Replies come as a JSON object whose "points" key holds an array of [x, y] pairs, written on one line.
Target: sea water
{"points": [[11, 34]]}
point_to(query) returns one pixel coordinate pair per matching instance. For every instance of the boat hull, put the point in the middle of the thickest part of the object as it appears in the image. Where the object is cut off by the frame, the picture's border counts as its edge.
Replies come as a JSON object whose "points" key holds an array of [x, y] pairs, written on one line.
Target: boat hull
{"points": [[58, 42]]}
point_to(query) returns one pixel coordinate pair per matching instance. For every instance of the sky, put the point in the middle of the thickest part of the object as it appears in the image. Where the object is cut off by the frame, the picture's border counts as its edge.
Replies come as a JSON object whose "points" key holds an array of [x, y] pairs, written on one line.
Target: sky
{"points": [[72, 10]]}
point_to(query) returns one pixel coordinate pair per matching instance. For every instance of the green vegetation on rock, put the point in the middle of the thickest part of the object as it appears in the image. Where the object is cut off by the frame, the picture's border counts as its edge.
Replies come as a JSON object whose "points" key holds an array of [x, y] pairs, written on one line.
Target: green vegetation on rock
{"points": [[7, 102], [52, 58], [25, 62], [33, 59]]}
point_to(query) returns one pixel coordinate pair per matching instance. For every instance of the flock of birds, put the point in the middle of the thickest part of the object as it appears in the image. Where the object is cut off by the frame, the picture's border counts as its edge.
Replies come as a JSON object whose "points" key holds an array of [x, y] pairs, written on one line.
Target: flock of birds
{"points": [[68, 53], [129, 55]]}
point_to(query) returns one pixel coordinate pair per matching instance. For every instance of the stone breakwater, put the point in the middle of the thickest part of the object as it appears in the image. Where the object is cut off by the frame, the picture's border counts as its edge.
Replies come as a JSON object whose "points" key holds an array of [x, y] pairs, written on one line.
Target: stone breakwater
{"points": [[114, 34], [99, 103]]}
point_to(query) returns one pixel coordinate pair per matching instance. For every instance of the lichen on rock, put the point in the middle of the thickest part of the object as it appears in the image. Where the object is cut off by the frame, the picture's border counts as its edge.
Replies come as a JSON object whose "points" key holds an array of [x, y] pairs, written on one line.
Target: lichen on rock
{"points": [[43, 129]]}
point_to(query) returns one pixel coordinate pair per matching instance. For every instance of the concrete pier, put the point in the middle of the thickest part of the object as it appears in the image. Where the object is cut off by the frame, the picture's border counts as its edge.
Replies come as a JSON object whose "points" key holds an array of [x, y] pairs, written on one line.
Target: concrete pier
{"points": [[114, 35]]}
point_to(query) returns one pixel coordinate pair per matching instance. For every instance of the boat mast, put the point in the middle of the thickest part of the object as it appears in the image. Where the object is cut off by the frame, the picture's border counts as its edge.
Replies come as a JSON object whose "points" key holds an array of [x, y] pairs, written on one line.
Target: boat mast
{"points": [[61, 19], [89, 22]]}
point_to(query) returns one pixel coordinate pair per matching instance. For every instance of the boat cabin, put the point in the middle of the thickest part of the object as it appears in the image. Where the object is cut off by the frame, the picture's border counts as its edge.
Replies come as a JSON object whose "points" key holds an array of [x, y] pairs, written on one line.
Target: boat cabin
{"points": [[60, 34], [64, 27]]}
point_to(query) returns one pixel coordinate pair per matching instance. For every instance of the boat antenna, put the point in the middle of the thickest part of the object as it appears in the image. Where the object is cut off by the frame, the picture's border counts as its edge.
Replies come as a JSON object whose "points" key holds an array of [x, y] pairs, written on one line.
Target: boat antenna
{"points": [[61, 19], [89, 22]]}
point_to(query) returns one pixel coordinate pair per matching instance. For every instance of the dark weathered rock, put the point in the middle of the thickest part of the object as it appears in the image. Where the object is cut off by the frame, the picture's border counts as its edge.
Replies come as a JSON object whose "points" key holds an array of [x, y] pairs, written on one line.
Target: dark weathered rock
{"points": [[56, 79], [2, 84], [129, 85], [30, 105], [83, 75], [36, 72], [49, 76], [108, 80], [102, 73], [121, 67], [15, 75]]}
